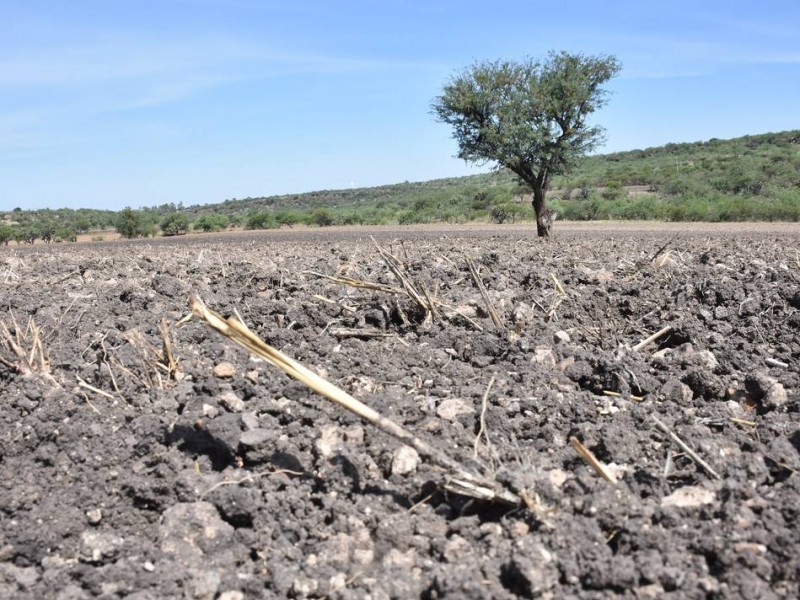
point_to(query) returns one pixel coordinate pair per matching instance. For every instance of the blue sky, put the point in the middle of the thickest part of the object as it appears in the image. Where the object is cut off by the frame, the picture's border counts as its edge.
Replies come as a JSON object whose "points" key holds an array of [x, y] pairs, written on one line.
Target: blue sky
{"points": [[107, 104]]}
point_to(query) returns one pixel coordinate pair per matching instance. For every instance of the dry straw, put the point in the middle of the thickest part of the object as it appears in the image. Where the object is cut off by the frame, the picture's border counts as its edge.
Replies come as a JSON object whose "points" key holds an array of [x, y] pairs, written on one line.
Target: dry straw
{"points": [[457, 479]]}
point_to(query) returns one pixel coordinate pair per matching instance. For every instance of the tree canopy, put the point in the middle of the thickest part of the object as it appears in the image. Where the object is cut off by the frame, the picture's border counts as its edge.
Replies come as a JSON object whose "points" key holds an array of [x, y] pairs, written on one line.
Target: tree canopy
{"points": [[530, 117]]}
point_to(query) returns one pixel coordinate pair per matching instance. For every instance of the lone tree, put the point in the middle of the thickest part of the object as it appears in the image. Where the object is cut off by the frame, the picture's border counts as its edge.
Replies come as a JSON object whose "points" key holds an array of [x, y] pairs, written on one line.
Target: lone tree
{"points": [[529, 117]]}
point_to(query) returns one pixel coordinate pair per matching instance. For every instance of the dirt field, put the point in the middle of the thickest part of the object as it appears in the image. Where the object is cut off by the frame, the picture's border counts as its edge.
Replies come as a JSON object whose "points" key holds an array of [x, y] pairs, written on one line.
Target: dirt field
{"points": [[144, 459]]}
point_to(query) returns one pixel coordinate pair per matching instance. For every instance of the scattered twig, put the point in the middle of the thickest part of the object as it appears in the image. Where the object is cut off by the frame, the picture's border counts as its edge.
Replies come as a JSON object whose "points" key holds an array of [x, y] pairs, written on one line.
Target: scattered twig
{"points": [[649, 340], [493, 314], [458, 479], [774, 362], [591, 459], [87, 386], [367, 332], [625, 396], [482, 428], [683, 446]]}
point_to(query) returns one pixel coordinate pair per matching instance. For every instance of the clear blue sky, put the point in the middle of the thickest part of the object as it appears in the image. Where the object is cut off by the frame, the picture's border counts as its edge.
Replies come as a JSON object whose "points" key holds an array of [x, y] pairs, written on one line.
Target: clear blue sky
{"points": [[112, 103]]}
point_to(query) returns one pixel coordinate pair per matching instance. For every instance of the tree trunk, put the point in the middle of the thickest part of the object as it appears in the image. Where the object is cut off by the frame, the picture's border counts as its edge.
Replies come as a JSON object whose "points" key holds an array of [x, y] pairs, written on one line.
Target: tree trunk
{"points": [[544, 218]]}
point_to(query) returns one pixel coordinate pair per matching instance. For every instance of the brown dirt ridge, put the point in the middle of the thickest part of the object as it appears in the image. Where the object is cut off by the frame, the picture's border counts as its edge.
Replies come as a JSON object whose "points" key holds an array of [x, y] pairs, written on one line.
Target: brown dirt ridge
{"points": [[145, 458]]}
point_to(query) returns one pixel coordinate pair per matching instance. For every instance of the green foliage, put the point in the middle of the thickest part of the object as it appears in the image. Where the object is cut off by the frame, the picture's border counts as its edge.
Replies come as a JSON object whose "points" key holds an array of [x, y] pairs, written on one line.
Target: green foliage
{"points": [[6, 234], [175, 224], [261, 220], [133, 224], [321, 217], [529, 117], [288, 217], [211, 223]]}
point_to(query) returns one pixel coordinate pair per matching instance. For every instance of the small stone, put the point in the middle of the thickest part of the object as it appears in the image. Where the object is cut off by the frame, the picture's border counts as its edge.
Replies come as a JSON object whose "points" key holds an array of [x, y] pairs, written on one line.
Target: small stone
{"points": [[258, 444], [456, 549], [766, 390], [688, 497], [405, 560], [231, 595], [676, 391], [776, 397], [210, 411], [191, 531], [405, 460], [99, 546], [330, 440], [252, 375], [561, 337], [544, 355], [519, 529], [565, 363], [450, 408], [94, 516], [250, 421], [148, 566], [231, 401], [224, 370]]}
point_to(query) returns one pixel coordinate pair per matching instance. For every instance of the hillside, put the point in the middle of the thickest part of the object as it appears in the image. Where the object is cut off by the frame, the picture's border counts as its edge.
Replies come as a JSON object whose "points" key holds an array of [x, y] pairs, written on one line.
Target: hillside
{"points": [[755, 177]]}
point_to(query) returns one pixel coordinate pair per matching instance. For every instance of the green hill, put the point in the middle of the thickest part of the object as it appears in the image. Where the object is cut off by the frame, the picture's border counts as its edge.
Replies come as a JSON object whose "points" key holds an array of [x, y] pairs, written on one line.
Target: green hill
{"points": [[755, 177]]}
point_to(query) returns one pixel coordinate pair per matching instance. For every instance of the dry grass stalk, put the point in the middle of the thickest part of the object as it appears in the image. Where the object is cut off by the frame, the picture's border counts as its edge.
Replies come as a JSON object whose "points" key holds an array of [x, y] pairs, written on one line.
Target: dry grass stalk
{"points": [[167, 354], [90, 387], [591, 459], [154, 361], [614, 394], [369, 332], [458, 479], [649, 340], [482, 429], [685, 447], [493, 314], [358, 283], [420, 297], [25, 346]]}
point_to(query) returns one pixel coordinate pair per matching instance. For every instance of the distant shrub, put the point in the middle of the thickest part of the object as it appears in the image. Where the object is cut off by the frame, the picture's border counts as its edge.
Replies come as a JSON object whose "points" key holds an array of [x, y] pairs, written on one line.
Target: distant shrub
{"points": [[211, 223], [320, 217], [133, 223], [175, 224], [288, 218], [261, 220]]}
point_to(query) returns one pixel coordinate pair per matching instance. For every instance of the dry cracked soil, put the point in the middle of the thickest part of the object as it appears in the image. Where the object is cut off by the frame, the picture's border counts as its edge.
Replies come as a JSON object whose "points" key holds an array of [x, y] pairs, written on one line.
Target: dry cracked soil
{"points": [[142, 458]]}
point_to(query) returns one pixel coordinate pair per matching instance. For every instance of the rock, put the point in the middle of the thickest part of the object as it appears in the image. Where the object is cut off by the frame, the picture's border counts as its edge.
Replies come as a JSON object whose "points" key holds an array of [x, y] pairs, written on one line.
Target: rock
{"points": [[404, 460], [231, 595], [329, 441], [561, 337], [231, 401], [688, 497], [258, 444], [450, 408], [224, 370], [544, 355], [456, 548], [532, 569], [405, 560], [94, 516], [99, 546], [766, 390], [190, 531], [676, 391]]}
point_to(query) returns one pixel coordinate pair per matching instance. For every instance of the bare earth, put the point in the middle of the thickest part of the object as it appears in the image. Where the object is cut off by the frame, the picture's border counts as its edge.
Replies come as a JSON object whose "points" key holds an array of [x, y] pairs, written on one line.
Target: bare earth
{"points": [[144, 459]]}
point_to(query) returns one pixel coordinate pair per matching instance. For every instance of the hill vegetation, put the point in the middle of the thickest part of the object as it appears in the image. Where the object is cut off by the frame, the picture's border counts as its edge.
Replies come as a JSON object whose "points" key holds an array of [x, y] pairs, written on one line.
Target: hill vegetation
{"points": [[754, 177]]}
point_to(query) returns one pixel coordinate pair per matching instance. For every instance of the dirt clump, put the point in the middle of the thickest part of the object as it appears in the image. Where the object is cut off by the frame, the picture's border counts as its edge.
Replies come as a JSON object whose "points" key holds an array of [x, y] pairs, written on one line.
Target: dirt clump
{"points": [[143, 459]]}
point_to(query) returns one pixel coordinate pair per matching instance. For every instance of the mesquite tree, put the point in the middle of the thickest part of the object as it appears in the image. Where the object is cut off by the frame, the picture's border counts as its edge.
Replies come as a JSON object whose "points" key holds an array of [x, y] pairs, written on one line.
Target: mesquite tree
{"points": [[529, 117]]}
